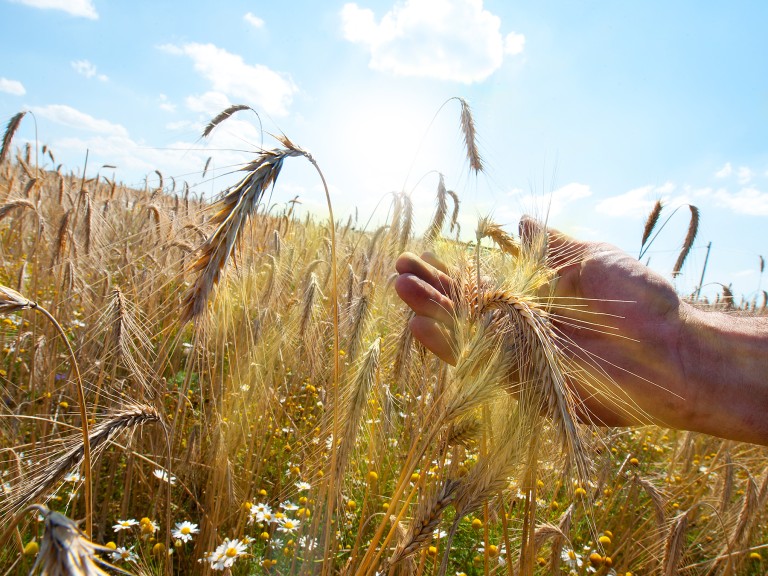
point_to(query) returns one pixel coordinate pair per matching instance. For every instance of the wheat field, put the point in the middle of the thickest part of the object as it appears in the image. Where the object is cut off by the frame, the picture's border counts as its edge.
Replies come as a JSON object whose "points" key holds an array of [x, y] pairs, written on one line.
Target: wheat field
{"points": [[254, 402]]}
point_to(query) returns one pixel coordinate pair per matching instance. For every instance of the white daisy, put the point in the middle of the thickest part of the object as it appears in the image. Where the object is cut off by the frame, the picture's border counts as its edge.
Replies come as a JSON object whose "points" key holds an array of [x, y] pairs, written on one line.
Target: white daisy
{"points": [[225, 555], [124, 554], [571, 558], [163, 475], [124, 524], [288, 525], [183, 531]]}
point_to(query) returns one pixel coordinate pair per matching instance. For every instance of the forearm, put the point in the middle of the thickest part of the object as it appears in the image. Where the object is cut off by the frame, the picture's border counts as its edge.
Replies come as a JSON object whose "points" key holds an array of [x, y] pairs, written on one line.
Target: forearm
{"points": [[724, 360]]}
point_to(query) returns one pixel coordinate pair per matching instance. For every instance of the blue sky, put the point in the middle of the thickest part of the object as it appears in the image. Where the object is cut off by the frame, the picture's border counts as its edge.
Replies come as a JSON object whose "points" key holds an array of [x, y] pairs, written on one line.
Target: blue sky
{"points": [[590, 110]]}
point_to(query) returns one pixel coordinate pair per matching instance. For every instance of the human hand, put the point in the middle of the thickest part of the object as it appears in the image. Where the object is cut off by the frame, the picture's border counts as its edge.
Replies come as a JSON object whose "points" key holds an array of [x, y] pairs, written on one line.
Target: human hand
{"points": [[619, 321]]}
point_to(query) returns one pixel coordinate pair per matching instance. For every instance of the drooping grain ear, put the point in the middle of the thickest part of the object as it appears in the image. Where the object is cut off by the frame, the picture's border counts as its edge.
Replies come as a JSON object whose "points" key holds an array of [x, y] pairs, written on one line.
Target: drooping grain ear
{"points": [[10, 131], [220, 117], [470, 137]]}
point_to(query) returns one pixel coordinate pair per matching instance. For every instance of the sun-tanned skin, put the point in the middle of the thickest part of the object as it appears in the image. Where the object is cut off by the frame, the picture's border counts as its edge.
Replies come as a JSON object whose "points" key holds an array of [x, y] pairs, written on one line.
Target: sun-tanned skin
{"points": [[665, 361]]}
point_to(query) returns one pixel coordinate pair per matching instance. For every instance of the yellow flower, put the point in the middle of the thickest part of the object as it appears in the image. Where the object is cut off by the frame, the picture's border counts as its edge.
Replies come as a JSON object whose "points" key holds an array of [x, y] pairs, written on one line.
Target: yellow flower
{"points": [[32, 548], [477, 523], [604, 540], [372, 476]]}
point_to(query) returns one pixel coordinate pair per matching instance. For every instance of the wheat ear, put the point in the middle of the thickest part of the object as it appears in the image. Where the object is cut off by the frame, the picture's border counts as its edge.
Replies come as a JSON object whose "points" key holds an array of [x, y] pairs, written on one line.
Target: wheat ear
{"points": [[10, 131], [440, 213], [65, 550], [219, 118], [424, 524], [675, 544], [12, 301], [486, 228], [236, 207], [470, 138], [693, 228], [650, 222]]}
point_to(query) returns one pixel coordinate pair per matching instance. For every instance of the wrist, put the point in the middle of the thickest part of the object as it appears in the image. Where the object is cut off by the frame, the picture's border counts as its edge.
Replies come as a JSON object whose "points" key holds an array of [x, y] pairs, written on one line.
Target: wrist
{"points": [[724, 367]]}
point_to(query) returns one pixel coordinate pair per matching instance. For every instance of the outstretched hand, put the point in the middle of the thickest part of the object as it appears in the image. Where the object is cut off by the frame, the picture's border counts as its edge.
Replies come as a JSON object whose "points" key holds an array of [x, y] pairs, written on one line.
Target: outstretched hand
{"points": [[621, 322]]}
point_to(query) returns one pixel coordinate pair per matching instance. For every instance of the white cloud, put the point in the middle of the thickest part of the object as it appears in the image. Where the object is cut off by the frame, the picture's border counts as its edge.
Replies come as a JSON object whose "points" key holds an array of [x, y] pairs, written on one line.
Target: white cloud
{"points": [[85, 68], [514, 43], [254, 20], [210, 103], [166, 105], [68, 116], [566, 195], [454, 40], [725, 171], [750, 201], [180, 125], [554, 203], [744, 175], [13, 87], [637, 202], [252, 84], [744, 273], [81, 8]]}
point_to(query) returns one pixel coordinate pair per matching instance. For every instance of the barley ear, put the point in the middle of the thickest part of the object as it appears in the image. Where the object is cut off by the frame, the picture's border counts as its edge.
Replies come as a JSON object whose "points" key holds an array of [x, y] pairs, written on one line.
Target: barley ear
{"points": [[675, 544], [693, 228], [219, 118], [470, 138], [650, 223], [10, 131]]}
